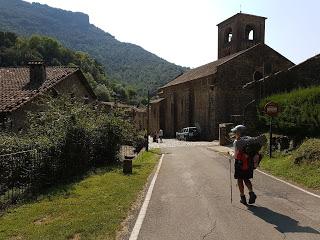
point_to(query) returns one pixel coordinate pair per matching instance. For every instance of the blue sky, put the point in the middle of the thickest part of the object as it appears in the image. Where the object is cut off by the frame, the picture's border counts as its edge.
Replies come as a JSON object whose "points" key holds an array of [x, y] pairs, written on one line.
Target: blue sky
{"points": [[184, 31]]}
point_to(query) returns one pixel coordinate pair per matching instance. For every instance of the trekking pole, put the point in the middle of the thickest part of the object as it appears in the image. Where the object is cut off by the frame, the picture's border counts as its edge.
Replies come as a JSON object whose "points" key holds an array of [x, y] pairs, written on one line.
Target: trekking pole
{"points": [[230, 178]]}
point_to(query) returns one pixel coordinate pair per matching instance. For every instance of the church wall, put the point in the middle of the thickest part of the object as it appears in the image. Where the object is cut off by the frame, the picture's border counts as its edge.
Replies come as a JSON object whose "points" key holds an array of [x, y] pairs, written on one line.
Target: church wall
{"points": [[232, 98]]}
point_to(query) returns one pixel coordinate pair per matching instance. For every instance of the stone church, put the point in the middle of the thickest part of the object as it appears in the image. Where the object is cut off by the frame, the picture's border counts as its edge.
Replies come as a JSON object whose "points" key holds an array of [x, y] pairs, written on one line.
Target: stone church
{"points": [[213, 93]]}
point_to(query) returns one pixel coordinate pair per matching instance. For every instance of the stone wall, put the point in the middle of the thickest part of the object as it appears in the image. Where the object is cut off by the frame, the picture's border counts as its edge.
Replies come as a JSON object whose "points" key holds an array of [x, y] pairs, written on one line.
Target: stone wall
{"points": [[231, 76], [140, 119], [202, 106], [167, 107], [73, 85], [303, 75], [154, 115], [239, 26], [186, 105]]}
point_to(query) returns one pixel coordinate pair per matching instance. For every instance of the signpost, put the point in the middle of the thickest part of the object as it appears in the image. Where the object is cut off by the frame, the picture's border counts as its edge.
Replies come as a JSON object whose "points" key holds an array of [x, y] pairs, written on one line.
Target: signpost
{"points": [[271, 109]]}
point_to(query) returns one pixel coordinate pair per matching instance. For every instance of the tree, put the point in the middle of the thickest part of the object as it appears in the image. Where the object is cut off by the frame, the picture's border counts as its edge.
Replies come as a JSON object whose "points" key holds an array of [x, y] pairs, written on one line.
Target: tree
{"points": [[103, 93]]}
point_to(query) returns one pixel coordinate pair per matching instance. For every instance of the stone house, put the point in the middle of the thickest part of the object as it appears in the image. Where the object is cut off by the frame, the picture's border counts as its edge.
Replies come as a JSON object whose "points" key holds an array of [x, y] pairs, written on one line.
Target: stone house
{"points": [[20, 87], [140, 120], [112, 106], [213, 93], [138, 116]]}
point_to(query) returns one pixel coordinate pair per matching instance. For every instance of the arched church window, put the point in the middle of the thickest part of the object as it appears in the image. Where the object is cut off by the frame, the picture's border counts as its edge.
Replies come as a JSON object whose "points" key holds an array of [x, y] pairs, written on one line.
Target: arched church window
{"points": [[228, 35], [250, 33], [250, 36]]}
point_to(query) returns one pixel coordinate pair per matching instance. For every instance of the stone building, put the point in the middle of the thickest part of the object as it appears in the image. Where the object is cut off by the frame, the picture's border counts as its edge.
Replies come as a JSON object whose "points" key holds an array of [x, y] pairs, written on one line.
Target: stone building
{"points": [[137, 115], [213, 93], [140, 118], [156, 111], [20, 88], [302, 75]]}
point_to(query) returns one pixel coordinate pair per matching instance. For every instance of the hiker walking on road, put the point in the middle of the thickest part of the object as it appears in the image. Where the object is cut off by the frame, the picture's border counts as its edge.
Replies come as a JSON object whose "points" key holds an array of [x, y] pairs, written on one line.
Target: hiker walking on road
{"points": [[247, 157]]}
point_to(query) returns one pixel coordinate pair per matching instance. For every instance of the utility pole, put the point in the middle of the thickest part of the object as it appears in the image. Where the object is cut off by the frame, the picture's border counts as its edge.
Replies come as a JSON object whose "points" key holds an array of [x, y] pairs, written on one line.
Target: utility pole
{"points": [[270, 142], [148, 121]]}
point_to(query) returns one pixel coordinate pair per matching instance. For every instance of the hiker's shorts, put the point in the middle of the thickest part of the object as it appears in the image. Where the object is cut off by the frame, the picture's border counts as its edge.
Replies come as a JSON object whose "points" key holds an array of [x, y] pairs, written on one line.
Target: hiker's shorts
{"points": [[242, 174]]}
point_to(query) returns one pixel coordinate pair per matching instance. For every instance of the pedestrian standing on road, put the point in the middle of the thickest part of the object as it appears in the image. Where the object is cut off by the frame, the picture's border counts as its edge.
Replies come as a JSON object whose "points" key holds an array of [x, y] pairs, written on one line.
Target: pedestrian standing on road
{"points": [[155, 136], [160, 135], [244, 161]]}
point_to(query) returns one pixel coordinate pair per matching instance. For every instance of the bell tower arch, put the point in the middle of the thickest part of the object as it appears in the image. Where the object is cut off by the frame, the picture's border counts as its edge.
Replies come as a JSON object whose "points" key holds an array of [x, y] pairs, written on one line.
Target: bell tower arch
{"points": [[240, 32]]}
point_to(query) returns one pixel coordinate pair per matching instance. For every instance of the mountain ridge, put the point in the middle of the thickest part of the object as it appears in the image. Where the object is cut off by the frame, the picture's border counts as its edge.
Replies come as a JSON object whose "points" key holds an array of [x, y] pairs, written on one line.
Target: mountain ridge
{"points": [[123, 61]]}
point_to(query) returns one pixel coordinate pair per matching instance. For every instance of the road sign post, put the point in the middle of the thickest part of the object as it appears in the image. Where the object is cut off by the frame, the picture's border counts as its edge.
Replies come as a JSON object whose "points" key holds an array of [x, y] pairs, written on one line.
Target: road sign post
{"points": [[271, 109]]}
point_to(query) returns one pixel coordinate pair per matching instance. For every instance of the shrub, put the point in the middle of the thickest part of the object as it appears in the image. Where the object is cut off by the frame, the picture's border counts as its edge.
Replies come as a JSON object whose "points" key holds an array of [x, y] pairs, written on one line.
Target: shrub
{"points": [[108, 139], [68, 137], [103, 93], [308, 152], [300, 113]]}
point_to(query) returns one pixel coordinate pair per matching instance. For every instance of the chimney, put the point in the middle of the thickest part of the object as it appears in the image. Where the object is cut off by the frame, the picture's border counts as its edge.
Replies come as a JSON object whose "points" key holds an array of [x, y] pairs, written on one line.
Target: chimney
{"points": [[37, 72]]}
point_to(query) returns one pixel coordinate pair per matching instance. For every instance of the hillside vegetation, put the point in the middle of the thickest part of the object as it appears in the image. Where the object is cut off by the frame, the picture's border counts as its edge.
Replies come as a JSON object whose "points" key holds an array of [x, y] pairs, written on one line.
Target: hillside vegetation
{"points": [[308, 152], [122, 61], [302, 166], [300, 112]]}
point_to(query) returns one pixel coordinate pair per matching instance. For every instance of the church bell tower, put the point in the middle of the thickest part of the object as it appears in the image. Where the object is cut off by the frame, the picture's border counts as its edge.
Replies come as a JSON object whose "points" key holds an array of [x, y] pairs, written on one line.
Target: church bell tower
{"points": [[240, 32]]}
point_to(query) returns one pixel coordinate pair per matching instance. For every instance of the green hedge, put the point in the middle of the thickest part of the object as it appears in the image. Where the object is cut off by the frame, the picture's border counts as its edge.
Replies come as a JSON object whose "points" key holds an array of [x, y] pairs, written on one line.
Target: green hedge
{"points": [[69, 138], [300, 112]]}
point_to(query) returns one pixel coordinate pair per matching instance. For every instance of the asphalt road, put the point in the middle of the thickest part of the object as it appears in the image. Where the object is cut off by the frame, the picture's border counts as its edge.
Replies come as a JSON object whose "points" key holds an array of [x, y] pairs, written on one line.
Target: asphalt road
{"points": [[191, 200]]}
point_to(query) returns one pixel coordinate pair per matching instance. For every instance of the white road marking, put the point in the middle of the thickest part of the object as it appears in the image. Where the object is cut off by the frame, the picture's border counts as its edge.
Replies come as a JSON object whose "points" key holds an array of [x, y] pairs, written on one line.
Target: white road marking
{"points": [[135, 232], [291, 185]]}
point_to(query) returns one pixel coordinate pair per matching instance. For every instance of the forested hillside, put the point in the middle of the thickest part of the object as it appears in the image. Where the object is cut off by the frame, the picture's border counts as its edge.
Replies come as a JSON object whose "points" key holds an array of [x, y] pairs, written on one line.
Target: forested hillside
{"points": [[17, 51], [123, 61]]}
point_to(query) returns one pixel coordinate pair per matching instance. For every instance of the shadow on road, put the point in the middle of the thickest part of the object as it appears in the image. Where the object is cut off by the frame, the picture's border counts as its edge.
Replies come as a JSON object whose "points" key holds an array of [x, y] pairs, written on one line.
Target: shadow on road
{"points": [[283, 223]]}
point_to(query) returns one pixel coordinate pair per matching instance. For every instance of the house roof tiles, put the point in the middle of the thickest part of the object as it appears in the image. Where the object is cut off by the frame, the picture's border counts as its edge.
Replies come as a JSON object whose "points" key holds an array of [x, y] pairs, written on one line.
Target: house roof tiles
{"points": [[16, 89]]}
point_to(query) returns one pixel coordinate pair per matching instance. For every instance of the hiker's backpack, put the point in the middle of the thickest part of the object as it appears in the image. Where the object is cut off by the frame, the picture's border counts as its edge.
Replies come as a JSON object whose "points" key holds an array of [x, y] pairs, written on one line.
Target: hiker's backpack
{"points": [[252, 151], [242, 161]]}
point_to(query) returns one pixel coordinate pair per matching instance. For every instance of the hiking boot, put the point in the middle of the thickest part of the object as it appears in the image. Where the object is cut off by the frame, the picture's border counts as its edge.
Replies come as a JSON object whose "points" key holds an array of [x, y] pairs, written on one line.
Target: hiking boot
{"points": [[243, 200], [252, 198]]}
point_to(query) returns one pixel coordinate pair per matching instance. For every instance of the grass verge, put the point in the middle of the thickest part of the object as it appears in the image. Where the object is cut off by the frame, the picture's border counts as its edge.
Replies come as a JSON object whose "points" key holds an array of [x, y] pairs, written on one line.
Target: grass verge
{"points": [[90, 209], [306, 174]]}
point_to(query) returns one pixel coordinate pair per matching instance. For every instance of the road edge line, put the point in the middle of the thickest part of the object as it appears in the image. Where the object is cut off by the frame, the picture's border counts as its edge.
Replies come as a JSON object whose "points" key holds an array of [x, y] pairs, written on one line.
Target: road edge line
{"points": [[291, 185], [278, 179], [136, 229]]}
